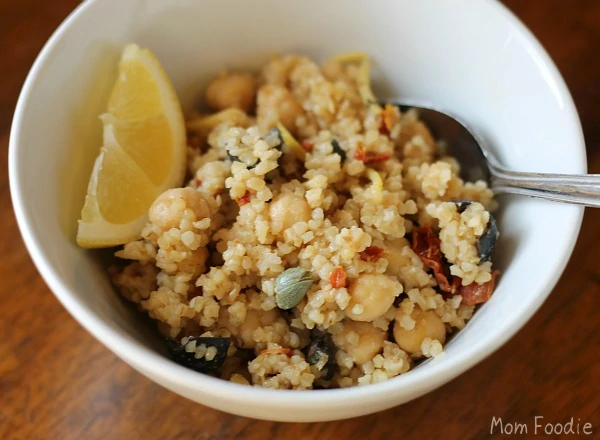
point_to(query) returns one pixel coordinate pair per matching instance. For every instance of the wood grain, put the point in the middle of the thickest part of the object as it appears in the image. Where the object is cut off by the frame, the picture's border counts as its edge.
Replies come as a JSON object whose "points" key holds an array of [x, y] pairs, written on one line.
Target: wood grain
{"points": [[57, 382]]}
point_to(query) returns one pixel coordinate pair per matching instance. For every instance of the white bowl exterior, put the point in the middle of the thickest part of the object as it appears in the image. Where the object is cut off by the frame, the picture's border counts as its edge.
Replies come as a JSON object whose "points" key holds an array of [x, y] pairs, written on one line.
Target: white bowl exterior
{"points": [[472, 57]]}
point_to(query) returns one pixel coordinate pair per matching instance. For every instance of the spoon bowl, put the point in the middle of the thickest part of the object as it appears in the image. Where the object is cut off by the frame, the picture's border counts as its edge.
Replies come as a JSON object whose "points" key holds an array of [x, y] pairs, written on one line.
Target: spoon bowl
{"points": [[478, 162]]}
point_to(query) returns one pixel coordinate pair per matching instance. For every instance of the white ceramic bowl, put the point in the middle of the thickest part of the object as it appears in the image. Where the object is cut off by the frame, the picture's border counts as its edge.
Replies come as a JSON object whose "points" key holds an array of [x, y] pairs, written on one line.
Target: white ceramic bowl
{"points": [[472, 57]]}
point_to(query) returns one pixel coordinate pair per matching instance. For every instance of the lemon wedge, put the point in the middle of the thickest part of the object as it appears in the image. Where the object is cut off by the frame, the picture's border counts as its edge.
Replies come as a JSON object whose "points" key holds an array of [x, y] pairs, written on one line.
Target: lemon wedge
{"points": [[143, 152]]}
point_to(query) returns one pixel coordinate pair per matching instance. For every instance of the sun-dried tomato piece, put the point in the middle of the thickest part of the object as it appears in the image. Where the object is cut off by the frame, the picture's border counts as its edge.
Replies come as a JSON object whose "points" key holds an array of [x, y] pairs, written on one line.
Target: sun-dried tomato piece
{"points": [[370, 157], [245, 199], [286, 350], [427, 246], [308, 145], [456, 282], [337, 280], [447, 283], [478, 293], [371, 254]]}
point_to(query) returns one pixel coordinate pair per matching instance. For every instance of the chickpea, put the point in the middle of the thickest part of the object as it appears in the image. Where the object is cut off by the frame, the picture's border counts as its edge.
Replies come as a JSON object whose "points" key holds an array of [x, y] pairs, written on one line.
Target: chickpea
{"points": [[244, 332], [167, 210], [371, 295], [333, 70], [286, 210], [427, 325], [277, 104], [277, 70], [231, 90], [362, 347], [396, 260]]}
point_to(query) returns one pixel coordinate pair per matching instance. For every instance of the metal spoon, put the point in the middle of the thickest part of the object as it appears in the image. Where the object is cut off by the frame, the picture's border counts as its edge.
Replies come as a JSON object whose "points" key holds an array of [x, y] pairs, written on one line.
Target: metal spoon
{"points": [[478, 163]]}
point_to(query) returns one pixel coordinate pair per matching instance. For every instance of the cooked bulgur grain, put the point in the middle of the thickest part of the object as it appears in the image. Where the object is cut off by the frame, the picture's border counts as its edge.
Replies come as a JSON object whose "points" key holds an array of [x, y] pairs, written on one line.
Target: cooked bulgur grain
{"points": [[337, 205]]}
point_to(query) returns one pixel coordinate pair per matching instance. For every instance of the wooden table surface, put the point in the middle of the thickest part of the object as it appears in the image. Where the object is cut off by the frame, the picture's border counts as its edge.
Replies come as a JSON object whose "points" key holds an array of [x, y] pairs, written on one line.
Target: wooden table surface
{"points": [[57, 382]]}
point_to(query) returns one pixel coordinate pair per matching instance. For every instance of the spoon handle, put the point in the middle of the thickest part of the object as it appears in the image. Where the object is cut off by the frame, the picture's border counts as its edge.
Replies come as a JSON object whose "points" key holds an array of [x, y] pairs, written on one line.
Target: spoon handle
{"points": [[580, 189]]}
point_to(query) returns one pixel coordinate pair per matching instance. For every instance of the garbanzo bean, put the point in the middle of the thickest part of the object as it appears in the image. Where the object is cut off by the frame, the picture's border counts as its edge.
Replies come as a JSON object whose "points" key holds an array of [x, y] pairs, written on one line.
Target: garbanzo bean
{"points": [[243, 333], [231, 90], [427, 325], [168, 209], [286, 210], [277, 104], [361, 340], [371, 295]]}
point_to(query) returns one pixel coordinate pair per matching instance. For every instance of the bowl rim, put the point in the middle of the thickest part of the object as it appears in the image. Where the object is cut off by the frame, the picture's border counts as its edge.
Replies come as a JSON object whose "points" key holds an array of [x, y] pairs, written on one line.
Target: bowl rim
{"points": [[156, 365]]}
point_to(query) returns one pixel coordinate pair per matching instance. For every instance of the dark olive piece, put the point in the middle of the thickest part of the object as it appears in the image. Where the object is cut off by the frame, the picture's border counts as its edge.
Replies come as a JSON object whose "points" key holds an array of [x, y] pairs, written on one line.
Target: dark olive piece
{"points": [[461, 205], [487, 242], [276, 130], [338, 150], [281, 142], [231, 158], [182, 357], [320, 346]]}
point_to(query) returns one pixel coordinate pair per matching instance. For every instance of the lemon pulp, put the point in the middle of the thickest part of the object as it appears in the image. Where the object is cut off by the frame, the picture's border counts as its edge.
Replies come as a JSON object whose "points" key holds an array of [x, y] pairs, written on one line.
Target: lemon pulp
{"points": [[143, 152]]}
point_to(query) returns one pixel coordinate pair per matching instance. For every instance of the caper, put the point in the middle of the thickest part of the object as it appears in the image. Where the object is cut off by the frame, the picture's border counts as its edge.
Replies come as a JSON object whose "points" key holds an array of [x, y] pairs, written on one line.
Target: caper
{"points": [[290, 287]]}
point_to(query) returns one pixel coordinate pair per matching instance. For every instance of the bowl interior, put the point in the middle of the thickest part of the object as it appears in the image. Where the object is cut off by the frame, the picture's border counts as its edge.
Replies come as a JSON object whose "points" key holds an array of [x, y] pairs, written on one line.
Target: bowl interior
{"points": [[475, 60]]}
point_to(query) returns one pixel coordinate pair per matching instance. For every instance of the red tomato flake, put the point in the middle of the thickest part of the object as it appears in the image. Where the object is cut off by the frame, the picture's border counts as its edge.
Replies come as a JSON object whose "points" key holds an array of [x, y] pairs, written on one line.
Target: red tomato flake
{"points": [[427, 246], [287, 351], [337, 280], [377, 157], [370, 157], [478, 293], [360, 154], [245, 199], [371, 254], [308, 145]]}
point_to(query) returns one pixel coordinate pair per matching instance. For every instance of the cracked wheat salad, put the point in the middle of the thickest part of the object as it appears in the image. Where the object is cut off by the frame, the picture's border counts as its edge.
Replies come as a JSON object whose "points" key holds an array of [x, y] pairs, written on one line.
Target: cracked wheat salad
{"points": [[299, 236]]}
